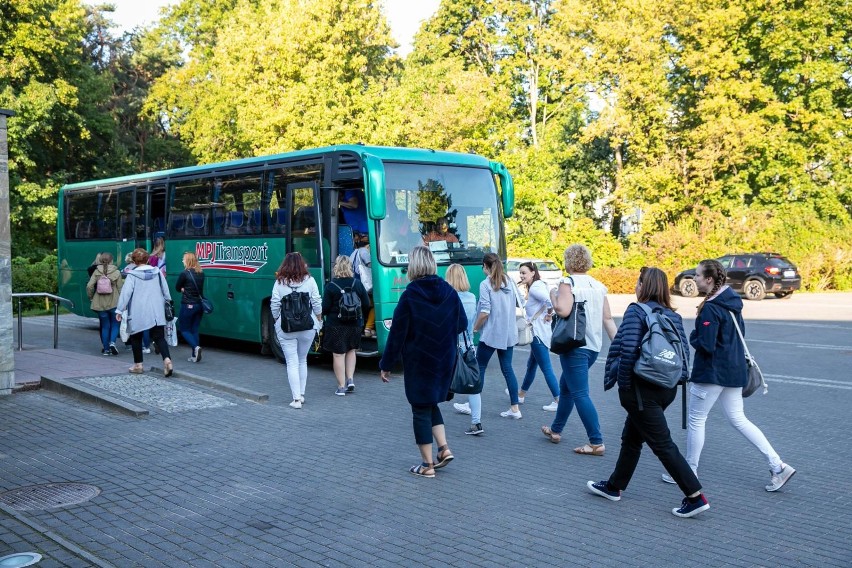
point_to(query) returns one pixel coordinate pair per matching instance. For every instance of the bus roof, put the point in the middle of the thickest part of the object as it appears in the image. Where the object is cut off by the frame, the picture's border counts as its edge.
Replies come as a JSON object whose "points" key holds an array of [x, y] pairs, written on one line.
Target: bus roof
{"points": [[384, 153]]}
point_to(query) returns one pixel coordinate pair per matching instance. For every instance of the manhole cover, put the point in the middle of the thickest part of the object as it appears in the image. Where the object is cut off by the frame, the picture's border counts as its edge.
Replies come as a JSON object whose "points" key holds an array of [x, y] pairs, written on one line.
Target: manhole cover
{"points": [[48, 496]]}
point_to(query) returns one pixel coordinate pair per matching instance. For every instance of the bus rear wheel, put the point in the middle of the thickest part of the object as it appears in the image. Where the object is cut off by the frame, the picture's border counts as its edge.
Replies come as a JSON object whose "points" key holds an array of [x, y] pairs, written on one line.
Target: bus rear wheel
{"points": [[272, 337]]}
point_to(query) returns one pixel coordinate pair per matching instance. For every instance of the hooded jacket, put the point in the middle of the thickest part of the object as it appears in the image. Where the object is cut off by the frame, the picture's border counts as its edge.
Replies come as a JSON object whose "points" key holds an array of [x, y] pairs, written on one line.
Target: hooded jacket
{"points": [[104, 302], [142, 297], [426, 324], [719, 354]]}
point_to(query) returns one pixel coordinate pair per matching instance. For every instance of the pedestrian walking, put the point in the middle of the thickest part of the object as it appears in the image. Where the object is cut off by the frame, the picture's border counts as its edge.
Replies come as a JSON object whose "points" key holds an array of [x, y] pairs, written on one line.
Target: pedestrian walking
{"points": [[342, 335], [190, 283], [646, 403], [538, 311], [293, 277], [142, 301], [426, 324], [719, 371], [495, 322], [574, 381], [103, 289]]}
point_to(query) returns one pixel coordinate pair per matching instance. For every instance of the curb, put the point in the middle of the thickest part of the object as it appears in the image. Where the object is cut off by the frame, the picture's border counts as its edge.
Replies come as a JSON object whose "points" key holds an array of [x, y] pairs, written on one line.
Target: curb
{"points": [[247, 394], [82, 392], [45, 532]]}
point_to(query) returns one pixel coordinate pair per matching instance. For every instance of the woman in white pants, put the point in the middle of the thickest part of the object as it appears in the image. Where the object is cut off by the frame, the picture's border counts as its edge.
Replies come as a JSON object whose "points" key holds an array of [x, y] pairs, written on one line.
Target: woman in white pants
{"points": [[719, 371], [293, 276]]}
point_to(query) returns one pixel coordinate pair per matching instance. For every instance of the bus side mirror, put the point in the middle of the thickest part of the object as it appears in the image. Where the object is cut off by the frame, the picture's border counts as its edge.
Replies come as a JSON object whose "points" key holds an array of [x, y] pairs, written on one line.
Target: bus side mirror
{"points": [[507, 186], [374, 186]]}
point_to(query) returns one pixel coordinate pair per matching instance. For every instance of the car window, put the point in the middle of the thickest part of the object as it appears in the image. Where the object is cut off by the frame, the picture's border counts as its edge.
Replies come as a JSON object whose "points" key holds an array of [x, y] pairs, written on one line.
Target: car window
{"points": [[512, 265], [547, 266], [740, 262], [779, 262], [725, 261]]}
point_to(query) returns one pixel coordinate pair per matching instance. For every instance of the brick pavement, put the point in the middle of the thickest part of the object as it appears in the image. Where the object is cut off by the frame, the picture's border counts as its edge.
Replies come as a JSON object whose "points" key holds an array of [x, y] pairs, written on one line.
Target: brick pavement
{"points": [[264, 485]]}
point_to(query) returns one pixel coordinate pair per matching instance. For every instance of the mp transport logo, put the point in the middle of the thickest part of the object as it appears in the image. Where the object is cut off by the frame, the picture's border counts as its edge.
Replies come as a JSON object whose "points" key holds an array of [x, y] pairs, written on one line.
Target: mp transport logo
{"points": [[218, 255]]}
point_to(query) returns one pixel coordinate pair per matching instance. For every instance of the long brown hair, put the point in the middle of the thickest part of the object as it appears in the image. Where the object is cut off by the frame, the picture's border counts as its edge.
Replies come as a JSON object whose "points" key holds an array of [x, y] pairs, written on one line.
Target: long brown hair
{"points": [[655, 287], [495, 270], [293, 269], [711, 268]]}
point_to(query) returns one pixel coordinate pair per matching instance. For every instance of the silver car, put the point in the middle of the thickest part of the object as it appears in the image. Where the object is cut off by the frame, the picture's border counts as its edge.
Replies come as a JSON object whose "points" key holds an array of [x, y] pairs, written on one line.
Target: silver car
{"points": [[549, 271]]}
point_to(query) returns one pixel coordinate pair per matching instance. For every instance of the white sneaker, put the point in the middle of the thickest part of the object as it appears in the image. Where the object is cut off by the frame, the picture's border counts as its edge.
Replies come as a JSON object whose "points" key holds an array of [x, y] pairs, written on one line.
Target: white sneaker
{"points": [[551, 407], [778, 480], [462, 408], [146, 350], [669, 479], [520, 398], [512, 414], [302, 399], [296, 404]]}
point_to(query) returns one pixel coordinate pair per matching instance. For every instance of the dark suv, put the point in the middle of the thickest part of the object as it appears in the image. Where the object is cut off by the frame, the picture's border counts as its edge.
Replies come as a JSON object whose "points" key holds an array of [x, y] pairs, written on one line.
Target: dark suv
{"points": [[752, 275]]}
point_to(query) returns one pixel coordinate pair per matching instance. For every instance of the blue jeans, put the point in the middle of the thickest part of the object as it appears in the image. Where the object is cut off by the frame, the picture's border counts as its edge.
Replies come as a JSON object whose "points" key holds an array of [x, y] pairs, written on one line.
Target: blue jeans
{"points": [[109, 327], [540, 357], [189, 320], [574, 391], [483, 355]]}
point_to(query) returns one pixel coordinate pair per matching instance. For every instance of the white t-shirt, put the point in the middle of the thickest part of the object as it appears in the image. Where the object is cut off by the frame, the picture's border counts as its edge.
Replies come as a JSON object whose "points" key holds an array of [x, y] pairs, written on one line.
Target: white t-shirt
{"points": [[587, 289]]}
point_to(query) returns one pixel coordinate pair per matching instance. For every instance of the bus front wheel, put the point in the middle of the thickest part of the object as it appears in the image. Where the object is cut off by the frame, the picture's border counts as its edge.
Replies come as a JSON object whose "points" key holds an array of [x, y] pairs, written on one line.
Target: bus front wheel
{"points": [[272, 337]]}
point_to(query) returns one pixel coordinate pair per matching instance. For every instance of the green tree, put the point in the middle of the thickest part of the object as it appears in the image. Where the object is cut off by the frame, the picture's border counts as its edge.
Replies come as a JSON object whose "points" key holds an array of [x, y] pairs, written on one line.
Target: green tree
{"points": [[267, 87]]}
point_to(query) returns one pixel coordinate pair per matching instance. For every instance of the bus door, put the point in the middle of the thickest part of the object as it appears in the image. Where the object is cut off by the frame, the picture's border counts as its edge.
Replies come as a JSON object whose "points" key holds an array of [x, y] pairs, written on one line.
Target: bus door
{"points": [[128, 222], [304, 234]]}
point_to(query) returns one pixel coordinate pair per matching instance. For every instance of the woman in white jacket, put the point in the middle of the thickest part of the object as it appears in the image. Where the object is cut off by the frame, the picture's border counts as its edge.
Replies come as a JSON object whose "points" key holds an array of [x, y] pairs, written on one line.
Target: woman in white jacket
{"points": [[293, 276]]}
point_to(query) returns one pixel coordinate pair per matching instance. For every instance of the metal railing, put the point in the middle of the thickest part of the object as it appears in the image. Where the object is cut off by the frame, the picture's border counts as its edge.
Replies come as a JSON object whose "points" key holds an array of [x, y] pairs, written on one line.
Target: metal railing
{"points": [[53, 298]]}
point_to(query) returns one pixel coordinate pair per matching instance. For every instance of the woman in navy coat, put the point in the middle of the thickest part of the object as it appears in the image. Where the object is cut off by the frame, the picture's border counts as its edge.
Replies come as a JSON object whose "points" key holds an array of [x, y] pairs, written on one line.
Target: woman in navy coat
{"points": [[426, 325]]}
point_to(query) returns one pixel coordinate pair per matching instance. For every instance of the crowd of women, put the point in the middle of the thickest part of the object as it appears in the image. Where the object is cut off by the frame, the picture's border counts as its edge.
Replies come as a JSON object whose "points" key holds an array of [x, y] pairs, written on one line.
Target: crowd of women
{"points": [[435, 316]]}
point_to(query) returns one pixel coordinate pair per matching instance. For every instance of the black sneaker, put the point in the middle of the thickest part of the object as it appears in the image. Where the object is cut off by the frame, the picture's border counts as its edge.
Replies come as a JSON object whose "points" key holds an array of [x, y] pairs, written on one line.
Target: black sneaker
{"points": [[688, 509], [113, 350], [350, 385], [599, 488], [105, 352], [474, 430]]}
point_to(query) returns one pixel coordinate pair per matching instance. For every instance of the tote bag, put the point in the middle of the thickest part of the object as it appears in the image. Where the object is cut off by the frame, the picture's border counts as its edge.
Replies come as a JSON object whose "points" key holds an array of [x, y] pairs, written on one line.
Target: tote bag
{"points": [[569, 333], [466, 378]]}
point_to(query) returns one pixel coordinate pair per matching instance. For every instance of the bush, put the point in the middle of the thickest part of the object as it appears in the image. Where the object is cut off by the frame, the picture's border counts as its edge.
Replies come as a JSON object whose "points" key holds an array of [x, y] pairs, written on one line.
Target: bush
{"points": [[37, 276], [617, 280]]}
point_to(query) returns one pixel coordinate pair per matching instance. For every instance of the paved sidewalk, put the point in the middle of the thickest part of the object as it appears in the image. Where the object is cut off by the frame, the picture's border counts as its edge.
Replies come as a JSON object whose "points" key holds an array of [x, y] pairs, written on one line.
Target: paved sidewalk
{"points": [[249, 484]]}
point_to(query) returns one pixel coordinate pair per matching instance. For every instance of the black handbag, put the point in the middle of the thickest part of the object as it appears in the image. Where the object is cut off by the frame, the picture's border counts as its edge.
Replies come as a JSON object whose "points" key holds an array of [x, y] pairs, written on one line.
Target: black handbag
{"points": [[168, 305], [569, 333], [206, 305], [466, 378]]}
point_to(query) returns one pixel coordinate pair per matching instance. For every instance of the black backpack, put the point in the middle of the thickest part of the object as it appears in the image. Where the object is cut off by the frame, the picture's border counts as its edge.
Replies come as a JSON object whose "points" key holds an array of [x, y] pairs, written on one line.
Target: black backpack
{"points": [[349, 307], [296, 312]]}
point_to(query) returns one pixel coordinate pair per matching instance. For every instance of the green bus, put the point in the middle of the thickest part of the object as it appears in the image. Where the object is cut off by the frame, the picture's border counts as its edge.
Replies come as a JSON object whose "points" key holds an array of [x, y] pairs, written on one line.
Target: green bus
{"points": [[242, 216]]}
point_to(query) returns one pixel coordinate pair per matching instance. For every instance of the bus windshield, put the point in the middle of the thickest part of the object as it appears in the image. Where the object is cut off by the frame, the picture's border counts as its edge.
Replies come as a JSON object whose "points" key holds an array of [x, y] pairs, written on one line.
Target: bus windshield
{"points": [[451, 209]]}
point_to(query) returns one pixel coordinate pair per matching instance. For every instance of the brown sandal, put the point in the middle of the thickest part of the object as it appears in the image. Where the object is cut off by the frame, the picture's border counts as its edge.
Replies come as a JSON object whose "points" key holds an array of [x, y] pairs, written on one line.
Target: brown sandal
{"points": [[423, 470], [591, 450], [551, 435], [137, 369], [444, 457]]}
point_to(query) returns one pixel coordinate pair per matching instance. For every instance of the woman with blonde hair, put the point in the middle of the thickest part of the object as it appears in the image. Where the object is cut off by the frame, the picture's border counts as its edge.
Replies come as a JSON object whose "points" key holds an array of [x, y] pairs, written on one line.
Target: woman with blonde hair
{"points": [[343, 337], [574, 382], [426, 324], [190, 284]]}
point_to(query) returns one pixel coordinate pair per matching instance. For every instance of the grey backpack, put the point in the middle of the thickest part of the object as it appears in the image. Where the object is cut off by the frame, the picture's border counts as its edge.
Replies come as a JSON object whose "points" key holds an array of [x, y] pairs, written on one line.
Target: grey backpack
{"points": [[662, 353]]}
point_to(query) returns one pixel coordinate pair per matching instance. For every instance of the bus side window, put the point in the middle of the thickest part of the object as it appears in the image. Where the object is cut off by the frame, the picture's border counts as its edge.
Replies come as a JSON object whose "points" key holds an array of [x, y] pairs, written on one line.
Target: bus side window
{"points": [[177, 225], [235, 223], [279, 220], [197, 224]]}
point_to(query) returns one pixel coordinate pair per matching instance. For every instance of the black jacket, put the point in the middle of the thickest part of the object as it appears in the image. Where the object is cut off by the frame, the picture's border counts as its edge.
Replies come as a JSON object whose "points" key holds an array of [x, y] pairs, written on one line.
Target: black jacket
{"points": [[192, 290]]}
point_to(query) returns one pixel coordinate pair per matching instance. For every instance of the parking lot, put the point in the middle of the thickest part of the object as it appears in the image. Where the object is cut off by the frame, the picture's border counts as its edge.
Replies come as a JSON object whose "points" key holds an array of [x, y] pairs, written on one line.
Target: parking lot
{"points": [[242, 483]]}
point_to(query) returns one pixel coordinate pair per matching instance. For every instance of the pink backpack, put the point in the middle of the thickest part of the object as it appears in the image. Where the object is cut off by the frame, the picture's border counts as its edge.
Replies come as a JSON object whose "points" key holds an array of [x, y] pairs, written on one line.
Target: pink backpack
{"points": [[104, 285]]}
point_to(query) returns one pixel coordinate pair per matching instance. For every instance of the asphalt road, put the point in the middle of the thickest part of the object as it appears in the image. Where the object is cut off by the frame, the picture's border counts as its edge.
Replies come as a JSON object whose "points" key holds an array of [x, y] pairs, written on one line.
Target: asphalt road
{"points": [[249, 484]]}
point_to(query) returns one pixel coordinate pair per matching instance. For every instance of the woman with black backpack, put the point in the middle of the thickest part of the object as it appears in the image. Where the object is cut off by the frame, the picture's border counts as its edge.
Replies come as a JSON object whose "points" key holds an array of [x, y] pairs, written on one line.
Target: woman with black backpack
{"points": [[345, 304], [296, 309], [644, 402]]}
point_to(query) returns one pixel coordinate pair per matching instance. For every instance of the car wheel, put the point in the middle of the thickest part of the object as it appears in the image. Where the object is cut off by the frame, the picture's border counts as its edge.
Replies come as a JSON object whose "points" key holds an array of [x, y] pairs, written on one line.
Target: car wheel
{"points": [[688, 288], [754, 290], [782, 295], [272, 337]]}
